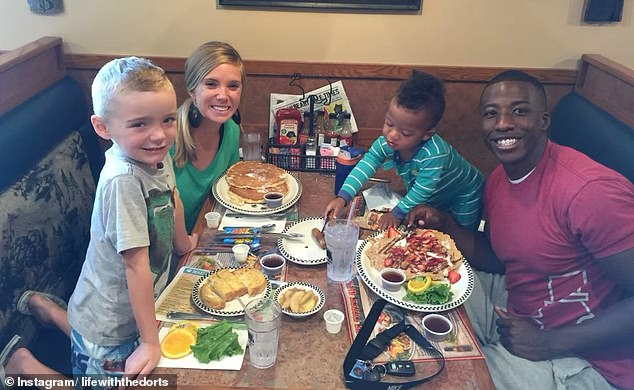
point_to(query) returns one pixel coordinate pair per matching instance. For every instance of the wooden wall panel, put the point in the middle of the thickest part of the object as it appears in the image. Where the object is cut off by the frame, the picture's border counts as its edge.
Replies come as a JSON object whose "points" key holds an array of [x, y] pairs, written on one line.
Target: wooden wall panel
{"points": [[609, 85], [369, 88], [29, 69]]}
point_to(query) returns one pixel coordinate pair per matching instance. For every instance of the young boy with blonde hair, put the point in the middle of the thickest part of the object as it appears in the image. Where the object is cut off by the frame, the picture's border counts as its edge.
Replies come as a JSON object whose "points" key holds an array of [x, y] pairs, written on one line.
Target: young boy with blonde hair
{"points": [[133, 225]]}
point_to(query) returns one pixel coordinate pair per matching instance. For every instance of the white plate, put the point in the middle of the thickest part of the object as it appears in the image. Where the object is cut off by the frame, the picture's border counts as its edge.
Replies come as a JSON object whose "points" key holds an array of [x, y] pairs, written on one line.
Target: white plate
{"points": [[305, 251], [371, 277], [220, 191], [232, 308], [304, 286]]}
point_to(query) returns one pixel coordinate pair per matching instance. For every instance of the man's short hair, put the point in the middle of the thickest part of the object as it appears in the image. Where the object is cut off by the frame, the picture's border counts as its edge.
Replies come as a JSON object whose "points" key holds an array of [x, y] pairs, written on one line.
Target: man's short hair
{"points": [[128, 74], [520, 76], [423, 91]]}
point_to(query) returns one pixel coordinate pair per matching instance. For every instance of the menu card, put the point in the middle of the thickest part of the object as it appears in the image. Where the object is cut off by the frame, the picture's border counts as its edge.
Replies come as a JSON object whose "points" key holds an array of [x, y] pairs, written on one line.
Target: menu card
{"points": [[358, 300], [177, 295]]}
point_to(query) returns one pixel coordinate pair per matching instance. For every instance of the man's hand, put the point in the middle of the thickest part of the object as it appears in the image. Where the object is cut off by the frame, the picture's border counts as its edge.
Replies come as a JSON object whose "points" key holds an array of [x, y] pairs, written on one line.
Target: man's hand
{"points": [[425, 216], [143, 360], [388, 220], [335, 207], [520, 337]]}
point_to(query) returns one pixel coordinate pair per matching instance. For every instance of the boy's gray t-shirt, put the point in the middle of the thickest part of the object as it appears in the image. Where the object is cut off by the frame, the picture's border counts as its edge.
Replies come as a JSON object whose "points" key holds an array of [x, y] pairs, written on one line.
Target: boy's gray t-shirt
{"points": [[133, 208]]}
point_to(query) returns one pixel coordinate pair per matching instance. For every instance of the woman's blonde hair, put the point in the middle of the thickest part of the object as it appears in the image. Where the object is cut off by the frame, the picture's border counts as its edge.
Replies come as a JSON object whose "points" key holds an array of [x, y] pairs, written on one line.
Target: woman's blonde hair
{"points": [[203, 60]]}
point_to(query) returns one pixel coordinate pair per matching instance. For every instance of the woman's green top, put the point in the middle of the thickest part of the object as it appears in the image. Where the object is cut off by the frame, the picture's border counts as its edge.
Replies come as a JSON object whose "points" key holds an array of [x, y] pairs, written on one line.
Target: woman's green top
{"points": [[194, 185]]}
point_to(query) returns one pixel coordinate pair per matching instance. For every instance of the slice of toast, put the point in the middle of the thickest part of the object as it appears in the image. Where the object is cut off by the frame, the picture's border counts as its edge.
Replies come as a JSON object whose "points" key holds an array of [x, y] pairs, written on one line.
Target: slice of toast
{"points": [[210, 298], [238, 288], [221, 287], [252, 278]]}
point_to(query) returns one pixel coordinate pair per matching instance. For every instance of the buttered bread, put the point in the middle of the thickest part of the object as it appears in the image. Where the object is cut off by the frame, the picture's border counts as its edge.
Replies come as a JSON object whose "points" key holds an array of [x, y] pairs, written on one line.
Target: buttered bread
{"points": [[226, 285], [249, 181]]}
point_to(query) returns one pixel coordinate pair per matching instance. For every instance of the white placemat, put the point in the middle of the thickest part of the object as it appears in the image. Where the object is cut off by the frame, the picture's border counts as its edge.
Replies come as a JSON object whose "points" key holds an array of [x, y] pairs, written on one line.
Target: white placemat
{"points": [[189, 361], [250, 220]]}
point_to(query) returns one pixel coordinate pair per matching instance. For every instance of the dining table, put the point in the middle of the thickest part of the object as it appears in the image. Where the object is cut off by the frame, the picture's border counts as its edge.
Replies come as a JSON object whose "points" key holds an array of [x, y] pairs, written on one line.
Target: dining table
{"points": [[308, 356]]}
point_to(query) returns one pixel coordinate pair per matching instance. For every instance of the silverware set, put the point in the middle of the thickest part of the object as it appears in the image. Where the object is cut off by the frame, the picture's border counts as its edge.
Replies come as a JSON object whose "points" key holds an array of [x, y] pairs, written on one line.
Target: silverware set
{"points": [[179, 315]]}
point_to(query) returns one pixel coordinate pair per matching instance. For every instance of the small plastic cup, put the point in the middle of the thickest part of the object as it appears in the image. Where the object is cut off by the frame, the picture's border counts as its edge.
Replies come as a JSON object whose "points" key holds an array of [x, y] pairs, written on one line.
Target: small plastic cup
{"points": [[392, 278], [273, 199], [213, 219], [240, 252], [334, 318], [272, 264], [436, 327]]}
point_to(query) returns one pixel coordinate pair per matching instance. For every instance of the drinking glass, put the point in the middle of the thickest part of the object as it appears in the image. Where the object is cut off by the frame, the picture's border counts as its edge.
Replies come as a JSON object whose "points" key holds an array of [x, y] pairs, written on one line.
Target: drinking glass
{"points": [[341, 242], [263, 323], [252, 146]]}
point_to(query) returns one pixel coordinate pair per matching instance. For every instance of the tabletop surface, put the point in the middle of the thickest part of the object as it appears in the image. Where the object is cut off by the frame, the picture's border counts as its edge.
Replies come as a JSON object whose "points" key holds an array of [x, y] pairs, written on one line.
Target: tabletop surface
{"points": [[309, 357]]}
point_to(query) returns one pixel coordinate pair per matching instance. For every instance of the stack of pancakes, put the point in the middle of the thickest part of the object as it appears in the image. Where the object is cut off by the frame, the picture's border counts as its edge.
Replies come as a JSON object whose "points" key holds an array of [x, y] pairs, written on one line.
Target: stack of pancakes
{"points": [[249, 181]]}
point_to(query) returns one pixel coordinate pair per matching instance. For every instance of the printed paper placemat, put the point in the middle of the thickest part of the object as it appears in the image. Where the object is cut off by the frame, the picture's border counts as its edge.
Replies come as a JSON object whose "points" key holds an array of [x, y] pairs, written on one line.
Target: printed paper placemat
{"points": [[358, 299]]}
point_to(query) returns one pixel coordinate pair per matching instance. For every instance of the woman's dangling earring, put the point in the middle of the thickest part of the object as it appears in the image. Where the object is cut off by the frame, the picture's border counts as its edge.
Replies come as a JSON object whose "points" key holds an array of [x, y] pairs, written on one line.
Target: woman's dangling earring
{"points": [[194, 116]]}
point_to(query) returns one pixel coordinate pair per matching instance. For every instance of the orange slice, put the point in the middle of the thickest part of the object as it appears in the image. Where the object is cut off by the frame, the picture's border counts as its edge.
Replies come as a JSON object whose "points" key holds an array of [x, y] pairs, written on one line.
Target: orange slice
{"points": [[177, 343]]}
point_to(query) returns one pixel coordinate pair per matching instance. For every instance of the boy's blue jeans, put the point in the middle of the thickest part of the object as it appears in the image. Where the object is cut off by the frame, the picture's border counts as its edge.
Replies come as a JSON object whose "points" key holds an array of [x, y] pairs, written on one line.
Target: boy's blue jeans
{"points": [[98, 361]]}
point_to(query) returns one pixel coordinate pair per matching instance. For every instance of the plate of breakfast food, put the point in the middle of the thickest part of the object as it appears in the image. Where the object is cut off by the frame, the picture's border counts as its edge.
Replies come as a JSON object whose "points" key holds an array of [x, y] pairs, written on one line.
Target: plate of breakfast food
{"points": [[437, 277], [225, 291], [300, 299], [305, 251], [243, 186]]}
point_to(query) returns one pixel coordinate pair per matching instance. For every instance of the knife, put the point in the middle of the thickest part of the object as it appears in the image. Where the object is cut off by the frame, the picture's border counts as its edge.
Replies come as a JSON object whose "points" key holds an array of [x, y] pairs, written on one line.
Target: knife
{"points": [[180, 315], [290, 236], [246, 216]]}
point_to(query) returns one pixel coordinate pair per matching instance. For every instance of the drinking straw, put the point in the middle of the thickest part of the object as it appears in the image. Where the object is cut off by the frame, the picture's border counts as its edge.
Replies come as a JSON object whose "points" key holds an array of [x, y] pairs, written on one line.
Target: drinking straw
{"points": [[354, 203]]}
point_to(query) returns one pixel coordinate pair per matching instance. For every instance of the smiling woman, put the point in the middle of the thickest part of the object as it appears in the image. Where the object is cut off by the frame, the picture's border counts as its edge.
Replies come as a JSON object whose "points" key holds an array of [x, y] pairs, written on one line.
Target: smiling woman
{"points": [[208, 123]]}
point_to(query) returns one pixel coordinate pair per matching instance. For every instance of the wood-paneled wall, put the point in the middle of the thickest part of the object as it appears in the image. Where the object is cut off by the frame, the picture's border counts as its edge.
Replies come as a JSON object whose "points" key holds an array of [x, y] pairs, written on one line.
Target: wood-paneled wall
{"points": [[28, 70], [369, 88]]}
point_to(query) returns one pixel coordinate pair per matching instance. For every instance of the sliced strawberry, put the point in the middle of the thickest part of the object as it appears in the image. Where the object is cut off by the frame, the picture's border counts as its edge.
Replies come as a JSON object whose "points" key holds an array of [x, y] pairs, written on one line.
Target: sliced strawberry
{"points": [[453, 276], [392, 233]]}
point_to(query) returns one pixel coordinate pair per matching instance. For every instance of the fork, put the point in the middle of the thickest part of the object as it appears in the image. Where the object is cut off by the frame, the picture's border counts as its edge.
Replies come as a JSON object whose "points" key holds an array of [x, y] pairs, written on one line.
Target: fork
{"points": [[247, 216], [226, 260]]}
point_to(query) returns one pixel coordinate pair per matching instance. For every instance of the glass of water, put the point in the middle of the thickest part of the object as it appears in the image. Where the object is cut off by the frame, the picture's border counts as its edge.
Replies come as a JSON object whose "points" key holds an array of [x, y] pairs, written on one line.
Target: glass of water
{"points": [[252, 146], [263, 323], [341, 242]]}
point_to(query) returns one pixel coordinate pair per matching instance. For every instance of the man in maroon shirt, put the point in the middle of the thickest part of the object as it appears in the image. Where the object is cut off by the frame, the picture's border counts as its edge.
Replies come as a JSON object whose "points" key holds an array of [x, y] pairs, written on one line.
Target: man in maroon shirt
{"points": [[560, 227]]}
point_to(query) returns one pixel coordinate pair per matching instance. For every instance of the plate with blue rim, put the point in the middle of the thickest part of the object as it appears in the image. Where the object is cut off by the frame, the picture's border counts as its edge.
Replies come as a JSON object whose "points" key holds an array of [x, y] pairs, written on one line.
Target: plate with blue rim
{"points": [[371, 277], [220, 192], [305, 251], [232, 308]]}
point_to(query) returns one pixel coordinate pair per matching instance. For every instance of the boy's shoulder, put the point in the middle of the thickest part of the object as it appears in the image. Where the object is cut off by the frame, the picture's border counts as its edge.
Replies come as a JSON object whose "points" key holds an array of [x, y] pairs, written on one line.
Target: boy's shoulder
{"points": [[434, 146]]}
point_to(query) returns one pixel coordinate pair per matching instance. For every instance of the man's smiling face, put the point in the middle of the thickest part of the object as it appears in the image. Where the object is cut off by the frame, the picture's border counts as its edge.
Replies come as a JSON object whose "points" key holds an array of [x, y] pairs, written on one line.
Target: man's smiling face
{"points": [[514, 124]]}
